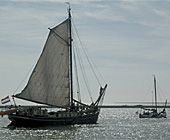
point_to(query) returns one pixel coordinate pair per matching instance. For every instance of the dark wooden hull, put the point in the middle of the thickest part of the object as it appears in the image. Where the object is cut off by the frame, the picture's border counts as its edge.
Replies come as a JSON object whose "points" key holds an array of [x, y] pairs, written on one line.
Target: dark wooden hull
{"points": [[86, 119], [37, 121]]}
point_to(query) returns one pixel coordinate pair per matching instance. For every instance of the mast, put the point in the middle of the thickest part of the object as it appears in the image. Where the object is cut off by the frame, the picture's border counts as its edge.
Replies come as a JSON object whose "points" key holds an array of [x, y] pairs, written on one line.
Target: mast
{"points": [[155, 93], [70, 45]]}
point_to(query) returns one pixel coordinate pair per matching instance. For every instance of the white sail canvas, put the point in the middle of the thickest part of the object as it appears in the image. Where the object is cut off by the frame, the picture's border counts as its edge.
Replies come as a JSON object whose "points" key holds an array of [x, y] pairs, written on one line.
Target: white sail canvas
{"points": [[49, 82]]}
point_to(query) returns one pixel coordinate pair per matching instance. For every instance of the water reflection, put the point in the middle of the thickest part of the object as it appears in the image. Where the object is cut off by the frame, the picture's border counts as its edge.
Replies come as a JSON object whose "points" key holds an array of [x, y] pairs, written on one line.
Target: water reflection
{"points": [[112, 124]]}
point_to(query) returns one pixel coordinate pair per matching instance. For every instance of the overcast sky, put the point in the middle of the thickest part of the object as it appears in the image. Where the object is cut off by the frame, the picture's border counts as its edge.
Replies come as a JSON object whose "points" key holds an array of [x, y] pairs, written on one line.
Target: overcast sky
{"points": [[129, 41]]}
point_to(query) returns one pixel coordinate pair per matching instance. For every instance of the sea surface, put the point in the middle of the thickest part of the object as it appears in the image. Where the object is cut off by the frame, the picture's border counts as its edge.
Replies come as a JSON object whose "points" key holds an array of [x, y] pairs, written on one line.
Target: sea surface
{"points": [[113, 123]]}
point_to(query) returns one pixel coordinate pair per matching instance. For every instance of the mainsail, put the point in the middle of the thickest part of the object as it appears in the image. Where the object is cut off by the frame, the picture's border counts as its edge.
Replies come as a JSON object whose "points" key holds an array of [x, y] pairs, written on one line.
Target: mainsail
{"points": [[49, 81]]}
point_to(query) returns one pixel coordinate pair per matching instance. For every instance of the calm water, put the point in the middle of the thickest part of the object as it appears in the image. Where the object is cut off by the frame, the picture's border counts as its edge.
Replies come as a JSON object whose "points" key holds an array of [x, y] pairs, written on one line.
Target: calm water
{"points": [[116, 124]]}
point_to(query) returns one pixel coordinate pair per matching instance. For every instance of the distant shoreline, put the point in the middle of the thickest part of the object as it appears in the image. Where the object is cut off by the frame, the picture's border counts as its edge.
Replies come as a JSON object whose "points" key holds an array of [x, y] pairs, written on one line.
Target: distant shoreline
{"points": [[103, 106], [132, 106]]}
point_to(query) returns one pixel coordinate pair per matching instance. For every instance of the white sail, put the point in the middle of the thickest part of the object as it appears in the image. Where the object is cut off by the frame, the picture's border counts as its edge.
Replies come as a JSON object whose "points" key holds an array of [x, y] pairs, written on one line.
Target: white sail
{"points": [[49, 82]]}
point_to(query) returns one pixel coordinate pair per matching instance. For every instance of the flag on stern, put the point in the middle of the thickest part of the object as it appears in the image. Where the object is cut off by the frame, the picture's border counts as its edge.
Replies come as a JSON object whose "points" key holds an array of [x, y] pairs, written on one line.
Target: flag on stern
{"points": [[5, 100]]}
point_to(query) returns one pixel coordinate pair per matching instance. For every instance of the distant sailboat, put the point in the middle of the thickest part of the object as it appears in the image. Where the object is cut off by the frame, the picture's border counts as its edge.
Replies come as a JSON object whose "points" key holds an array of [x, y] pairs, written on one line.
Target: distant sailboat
{"points": [[153, 112], [51, 83]]}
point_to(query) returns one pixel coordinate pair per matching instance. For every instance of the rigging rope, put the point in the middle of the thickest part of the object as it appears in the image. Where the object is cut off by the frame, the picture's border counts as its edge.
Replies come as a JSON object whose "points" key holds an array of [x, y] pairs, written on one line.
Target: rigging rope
{"points": [[77, 80], [153, 93], [23, 79], [161, 91], [86, 54], [83, 72]]}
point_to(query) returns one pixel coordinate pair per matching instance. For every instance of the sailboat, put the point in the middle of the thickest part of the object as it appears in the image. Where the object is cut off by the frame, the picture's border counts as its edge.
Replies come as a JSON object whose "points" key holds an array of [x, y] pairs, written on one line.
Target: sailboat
{"points": [[51, 83], [153, 112]]}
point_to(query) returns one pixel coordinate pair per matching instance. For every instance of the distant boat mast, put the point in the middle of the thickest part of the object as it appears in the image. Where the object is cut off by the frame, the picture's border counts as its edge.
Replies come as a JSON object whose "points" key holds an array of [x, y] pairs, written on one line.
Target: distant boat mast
{"points": [[155, 93]]}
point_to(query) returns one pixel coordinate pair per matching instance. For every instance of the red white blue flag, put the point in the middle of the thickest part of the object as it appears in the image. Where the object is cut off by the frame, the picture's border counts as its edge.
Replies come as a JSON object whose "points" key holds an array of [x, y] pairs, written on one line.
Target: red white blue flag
{"points": [[5, 100]]}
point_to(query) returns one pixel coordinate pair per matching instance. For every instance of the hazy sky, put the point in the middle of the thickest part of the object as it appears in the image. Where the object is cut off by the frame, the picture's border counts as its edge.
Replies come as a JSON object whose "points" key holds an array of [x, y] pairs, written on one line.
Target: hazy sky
{"points": [[129, 41]]}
